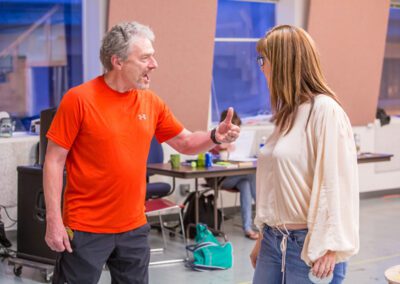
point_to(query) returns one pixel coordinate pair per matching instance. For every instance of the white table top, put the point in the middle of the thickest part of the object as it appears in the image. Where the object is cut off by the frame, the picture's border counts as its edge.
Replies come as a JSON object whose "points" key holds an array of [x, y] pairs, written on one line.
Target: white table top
{"points": [[19, 136]]}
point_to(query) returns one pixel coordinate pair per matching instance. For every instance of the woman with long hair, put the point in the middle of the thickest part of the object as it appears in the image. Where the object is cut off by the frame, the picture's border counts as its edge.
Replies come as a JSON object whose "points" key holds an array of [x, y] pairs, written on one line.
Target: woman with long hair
{"points": [[307, 179]]}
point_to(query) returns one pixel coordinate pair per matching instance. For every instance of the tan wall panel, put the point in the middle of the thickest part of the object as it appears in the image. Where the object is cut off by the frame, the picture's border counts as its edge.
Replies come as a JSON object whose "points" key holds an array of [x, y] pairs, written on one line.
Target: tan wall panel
{"points": [[350, 36], [184, 46]]}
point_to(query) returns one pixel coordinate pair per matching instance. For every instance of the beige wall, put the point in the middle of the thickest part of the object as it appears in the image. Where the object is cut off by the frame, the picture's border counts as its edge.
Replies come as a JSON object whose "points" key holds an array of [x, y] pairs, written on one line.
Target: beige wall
{"points": [[351, 38], [184, 46]]}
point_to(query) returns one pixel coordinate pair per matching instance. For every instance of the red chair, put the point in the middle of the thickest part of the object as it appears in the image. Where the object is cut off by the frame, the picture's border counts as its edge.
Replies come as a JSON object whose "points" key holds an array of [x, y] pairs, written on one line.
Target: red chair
{"points": [[157, 205]]}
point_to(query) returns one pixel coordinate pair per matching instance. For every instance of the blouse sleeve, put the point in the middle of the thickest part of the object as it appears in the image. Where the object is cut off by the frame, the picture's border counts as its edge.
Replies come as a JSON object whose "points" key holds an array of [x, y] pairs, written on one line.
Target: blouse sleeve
{"points": [[333, 219]]}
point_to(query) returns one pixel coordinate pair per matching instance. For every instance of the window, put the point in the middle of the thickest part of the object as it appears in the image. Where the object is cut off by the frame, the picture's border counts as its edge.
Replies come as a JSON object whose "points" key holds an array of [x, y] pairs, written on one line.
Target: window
{"points": [[237, 79], [40, 53], [389, 98]]}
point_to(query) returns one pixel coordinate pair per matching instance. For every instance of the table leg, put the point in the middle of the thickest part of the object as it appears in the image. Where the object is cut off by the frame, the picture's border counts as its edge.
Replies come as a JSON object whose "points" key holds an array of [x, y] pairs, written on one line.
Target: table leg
{"points": [[196, 201], [215, 186]]}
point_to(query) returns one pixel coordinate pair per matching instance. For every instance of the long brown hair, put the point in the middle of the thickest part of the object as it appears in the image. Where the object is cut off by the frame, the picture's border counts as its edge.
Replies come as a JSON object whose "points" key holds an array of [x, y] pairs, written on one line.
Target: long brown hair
{"points": [[296, 75]]}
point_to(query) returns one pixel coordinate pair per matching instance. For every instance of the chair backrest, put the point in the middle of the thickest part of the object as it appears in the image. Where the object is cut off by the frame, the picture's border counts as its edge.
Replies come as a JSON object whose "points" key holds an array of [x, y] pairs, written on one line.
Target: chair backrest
{"points": [[156, 153], [156, 189]]}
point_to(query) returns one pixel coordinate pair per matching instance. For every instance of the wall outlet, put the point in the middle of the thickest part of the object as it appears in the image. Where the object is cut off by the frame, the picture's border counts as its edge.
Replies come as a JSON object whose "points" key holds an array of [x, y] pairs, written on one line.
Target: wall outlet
{"points": [[184, 189]]}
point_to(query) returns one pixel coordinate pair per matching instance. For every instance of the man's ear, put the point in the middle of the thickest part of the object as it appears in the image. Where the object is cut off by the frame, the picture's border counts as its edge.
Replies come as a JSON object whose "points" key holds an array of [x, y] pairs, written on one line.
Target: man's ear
{"points": [[116, 62]]}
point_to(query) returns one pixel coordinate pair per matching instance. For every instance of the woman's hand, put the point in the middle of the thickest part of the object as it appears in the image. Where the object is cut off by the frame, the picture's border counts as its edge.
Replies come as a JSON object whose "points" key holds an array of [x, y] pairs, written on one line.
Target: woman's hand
{"points": [[324, 265], [255, 252]]}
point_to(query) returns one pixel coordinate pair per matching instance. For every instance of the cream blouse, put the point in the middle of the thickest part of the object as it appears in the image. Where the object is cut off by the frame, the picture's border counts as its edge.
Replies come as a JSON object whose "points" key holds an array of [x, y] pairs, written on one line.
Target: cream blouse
{"points": [[310, 176]]}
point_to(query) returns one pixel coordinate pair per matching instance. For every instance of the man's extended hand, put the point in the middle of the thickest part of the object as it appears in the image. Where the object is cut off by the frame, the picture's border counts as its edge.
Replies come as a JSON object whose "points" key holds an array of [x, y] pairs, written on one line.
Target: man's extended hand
{"points": [[227, 132]]}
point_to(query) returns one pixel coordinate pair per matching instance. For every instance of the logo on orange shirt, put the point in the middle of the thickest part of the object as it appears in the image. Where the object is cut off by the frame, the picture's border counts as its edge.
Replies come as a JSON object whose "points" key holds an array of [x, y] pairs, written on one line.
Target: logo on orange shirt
{"points": [[142, 116]]}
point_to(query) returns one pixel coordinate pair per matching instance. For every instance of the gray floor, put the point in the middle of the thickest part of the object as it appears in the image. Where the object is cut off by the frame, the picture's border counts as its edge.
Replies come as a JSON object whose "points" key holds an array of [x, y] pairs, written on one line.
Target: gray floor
{"points": [[380, 249]]}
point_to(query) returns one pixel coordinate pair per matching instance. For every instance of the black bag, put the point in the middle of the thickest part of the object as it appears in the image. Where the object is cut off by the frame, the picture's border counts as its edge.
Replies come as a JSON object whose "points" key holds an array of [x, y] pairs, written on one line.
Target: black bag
{"points": [[382, 116], [206, 212]]}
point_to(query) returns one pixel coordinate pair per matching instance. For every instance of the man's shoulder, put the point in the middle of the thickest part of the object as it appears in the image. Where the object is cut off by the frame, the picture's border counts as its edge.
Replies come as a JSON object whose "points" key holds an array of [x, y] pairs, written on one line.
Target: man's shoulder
{"points": [[88, 85], [82, 90]]}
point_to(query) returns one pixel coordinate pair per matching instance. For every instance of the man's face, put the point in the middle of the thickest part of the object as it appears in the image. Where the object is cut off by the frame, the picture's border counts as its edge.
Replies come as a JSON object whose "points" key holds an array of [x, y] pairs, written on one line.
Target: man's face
{"points": [[137, 67]]}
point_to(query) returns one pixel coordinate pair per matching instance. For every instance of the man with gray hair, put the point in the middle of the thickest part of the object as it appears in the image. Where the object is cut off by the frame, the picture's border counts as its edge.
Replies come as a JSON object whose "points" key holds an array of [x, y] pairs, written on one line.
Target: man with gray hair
{"points": [[102, 132]]}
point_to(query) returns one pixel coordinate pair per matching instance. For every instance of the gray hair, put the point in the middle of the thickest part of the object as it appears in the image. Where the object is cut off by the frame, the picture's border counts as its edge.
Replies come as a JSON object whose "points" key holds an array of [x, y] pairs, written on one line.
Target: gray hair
{"points": [[118, 41]]}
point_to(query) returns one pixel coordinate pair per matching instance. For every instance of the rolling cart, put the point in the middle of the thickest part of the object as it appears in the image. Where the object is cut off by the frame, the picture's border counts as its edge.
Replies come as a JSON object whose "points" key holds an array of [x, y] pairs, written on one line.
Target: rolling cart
{"points": [[32, 250], [46, 270]]}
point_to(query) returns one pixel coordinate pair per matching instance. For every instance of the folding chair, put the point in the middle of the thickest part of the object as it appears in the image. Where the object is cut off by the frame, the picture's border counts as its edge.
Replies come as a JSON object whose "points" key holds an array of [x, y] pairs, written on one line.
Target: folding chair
{"points": [[157, 205]]}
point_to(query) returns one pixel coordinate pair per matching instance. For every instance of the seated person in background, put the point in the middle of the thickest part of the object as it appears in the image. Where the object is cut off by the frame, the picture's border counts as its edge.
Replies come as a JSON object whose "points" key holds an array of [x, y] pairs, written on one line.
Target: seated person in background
{"points": [[246, 184]]}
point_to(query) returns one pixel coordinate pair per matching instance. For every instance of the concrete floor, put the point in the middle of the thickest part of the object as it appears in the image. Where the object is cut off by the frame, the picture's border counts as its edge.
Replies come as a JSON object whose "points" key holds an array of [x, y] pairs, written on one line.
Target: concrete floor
{"points": [[380, 249]]}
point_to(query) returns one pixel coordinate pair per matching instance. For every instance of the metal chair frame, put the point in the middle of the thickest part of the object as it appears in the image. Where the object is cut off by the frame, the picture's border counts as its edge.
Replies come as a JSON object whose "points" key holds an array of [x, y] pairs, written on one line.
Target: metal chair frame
{"points": [[156, 204], [233, 190]]}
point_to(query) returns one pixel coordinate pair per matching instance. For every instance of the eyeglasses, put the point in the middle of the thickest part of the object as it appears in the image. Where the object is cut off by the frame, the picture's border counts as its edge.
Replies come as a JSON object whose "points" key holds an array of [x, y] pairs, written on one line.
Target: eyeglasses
{"points": [[260, 61]]}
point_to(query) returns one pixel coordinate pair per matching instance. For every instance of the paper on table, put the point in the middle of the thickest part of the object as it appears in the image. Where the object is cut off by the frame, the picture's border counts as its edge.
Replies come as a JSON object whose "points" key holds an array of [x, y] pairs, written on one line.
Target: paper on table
{"points": [[236, 159], [243, 146], [226, 164]]}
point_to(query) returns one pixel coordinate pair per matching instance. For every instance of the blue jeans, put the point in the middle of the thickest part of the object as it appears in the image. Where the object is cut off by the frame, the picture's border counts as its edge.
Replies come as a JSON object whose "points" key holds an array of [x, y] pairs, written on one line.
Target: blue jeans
{"points": [[246, 184], [269, 261]]}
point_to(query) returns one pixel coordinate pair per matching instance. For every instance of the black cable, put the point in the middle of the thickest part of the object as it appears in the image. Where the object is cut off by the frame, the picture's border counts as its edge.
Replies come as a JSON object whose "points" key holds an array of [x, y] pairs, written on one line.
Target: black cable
{"points": [[8, 215], [6, 253]]}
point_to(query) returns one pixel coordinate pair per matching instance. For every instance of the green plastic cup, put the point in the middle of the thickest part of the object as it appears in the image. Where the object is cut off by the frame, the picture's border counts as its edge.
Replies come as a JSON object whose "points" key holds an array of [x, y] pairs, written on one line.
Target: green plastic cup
{"points": [[175, 161]]}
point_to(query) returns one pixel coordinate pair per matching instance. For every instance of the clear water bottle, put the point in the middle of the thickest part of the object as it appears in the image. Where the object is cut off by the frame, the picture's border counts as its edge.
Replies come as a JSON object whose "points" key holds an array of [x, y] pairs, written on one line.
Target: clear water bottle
{"points": [[263, 142], [357, 141]]}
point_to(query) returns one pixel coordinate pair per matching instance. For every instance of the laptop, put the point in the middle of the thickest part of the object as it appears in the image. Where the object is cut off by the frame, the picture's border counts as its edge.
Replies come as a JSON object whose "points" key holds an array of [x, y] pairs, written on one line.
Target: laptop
{"points": [[243, 147]]}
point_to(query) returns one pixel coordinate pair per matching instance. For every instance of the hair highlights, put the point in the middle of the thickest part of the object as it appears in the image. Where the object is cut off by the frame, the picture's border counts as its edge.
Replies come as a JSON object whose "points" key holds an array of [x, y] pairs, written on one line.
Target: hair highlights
{"points": [[296, 75]]}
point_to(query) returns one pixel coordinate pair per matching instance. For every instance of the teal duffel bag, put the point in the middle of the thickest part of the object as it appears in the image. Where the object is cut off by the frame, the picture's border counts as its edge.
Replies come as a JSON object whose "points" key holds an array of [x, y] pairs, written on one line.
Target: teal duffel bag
{"points": [[208, 252]]}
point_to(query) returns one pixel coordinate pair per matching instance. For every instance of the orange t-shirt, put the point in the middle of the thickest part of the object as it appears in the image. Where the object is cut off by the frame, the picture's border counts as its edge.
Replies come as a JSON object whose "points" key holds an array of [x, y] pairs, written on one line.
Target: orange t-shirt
{"points": [[108, 136]]}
